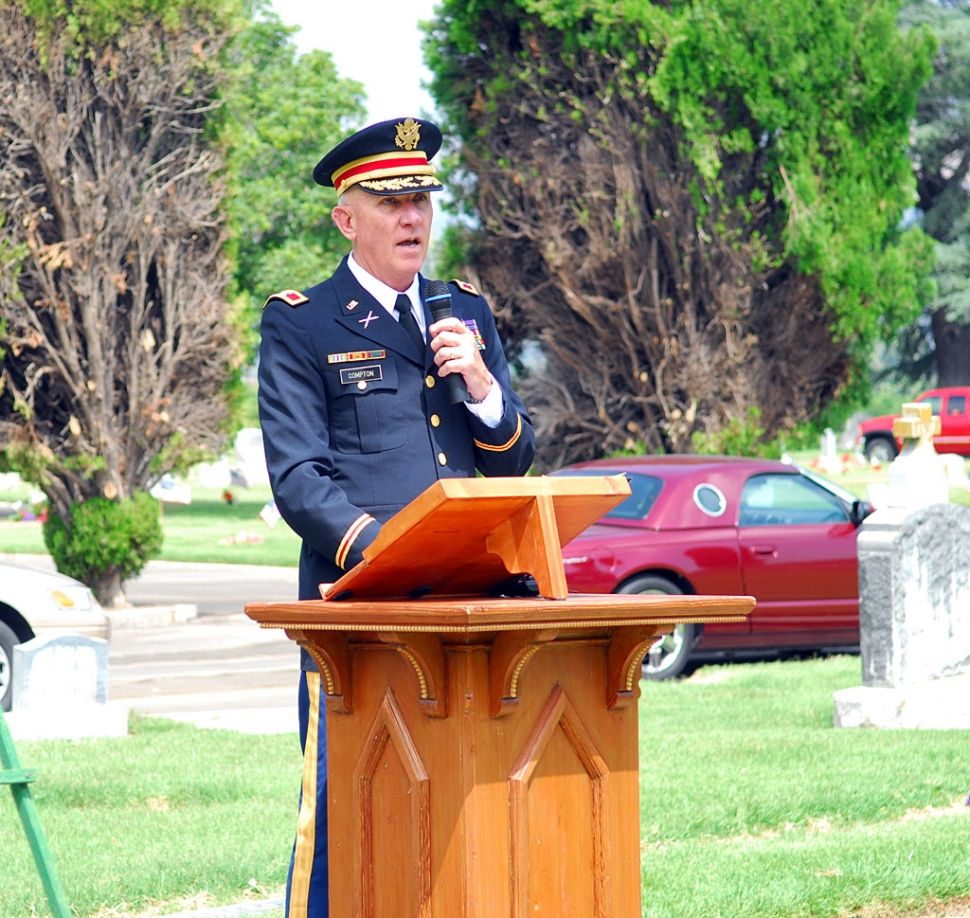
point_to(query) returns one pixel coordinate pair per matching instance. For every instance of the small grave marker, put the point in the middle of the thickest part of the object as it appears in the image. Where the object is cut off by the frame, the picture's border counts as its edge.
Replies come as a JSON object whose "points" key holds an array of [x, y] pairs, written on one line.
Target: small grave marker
{"points": [[60, 690]]}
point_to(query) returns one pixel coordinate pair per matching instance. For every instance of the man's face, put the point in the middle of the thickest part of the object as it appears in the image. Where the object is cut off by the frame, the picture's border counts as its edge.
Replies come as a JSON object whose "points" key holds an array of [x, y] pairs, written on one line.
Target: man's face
{"points": [[390, 233]]}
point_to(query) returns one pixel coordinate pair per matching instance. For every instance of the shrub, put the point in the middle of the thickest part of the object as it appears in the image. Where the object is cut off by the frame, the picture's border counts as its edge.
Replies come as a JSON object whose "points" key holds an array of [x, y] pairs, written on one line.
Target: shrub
{"points": [[738, 438], [105, 542]]}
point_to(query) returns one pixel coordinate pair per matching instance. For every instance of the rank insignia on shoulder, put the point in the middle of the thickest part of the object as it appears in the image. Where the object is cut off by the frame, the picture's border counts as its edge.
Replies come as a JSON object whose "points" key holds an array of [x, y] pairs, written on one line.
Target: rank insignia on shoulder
{"points": [[465, 286], [290, 297]]}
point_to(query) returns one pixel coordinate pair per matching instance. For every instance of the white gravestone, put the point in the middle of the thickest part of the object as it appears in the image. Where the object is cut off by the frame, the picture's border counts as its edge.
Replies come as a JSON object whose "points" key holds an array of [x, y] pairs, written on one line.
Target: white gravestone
{"points": [[914, 595], [914, 618], [250, 458], [60, 690], [829, 460]]}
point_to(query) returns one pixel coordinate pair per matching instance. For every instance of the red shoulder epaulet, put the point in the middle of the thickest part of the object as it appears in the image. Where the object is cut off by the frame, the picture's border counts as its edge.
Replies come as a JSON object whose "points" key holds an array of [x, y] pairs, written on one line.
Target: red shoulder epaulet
{"points": [[464, 285], [290, 297]]}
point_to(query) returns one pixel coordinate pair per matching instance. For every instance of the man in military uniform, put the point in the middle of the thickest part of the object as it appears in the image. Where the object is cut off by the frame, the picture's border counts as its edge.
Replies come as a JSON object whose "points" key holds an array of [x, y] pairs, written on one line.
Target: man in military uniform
{"points": [[355, 404]]}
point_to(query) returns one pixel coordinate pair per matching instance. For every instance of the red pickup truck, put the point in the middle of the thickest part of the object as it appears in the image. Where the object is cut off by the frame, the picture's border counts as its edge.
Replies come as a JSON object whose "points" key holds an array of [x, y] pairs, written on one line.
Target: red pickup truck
{"points": [[952, 406]]}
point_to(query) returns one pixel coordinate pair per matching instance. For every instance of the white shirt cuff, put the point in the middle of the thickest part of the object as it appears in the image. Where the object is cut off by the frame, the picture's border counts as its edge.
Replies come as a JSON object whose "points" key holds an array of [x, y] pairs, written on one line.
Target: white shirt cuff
{"points": [[490, 410]]}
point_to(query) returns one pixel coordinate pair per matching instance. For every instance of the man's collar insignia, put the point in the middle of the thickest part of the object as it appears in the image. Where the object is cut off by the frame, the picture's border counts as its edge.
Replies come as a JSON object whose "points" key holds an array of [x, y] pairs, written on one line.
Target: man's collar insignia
{"points": [[352, 305], [370, 317]]}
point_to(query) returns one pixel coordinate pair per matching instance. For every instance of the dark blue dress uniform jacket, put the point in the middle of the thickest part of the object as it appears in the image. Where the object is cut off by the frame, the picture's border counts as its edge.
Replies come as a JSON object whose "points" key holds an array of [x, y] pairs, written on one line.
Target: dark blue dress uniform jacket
{"points": [[356, 423]]}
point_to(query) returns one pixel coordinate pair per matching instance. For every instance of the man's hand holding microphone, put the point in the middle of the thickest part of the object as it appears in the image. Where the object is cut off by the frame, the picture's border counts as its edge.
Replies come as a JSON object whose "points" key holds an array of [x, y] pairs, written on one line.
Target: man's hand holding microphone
{"points": [[455, 349]]}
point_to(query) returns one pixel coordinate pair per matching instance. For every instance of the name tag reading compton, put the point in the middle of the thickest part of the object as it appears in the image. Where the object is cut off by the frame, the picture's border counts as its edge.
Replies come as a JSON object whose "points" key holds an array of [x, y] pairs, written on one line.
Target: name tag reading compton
{"points": [[352, 376]]}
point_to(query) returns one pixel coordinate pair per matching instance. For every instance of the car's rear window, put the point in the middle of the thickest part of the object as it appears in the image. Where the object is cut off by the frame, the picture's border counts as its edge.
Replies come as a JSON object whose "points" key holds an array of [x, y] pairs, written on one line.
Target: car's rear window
{"points": [[644, 488]]}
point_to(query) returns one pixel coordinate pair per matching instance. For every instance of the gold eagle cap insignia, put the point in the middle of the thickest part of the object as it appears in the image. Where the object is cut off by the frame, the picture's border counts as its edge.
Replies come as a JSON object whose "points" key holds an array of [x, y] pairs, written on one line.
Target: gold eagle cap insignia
{"points": [[408, 134]]}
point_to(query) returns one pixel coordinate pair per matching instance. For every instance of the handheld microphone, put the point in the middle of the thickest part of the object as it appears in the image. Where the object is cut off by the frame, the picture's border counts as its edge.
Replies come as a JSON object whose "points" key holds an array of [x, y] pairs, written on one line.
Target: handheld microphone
{"points": [[438, 297]]}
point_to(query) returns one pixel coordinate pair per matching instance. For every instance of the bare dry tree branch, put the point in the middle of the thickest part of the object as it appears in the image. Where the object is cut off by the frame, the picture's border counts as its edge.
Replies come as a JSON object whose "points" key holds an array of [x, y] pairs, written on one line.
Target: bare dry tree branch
{"points": [[652, 318], [118, 348]]}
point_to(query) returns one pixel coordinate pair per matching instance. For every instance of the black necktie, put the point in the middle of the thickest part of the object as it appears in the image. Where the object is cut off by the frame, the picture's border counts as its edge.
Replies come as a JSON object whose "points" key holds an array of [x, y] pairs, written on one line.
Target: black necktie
{"points": [[403, 308]]}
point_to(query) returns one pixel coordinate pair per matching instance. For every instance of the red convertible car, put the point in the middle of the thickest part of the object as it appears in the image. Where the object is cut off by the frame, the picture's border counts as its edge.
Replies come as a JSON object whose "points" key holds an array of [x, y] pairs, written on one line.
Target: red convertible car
{"points": [[731, 526]]}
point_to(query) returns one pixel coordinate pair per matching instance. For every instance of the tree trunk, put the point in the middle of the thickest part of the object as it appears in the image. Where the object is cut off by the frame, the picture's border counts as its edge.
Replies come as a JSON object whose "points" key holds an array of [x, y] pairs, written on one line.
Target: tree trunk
{"points": [[109, 591], [952, 350]]}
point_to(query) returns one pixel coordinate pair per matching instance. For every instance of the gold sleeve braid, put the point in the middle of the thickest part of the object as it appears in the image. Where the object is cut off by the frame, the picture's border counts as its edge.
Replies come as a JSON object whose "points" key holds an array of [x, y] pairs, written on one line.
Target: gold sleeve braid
{"points": [[350, 537], [501, 448]]}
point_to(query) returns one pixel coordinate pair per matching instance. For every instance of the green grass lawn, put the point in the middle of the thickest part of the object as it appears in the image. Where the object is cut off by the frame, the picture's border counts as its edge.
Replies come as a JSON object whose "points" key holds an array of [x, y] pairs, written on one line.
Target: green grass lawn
{"points": [[209, 529], [751, 803], [199, 531], [170, 814]]}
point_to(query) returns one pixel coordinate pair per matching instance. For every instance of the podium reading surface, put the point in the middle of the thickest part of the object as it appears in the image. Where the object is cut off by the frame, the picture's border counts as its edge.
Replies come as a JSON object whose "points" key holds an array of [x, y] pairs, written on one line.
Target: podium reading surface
{"points": [[464, 536]]}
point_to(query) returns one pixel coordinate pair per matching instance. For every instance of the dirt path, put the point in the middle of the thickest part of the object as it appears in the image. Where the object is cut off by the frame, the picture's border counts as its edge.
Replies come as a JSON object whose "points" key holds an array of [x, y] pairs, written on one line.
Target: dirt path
{"points": [[956, 908]]}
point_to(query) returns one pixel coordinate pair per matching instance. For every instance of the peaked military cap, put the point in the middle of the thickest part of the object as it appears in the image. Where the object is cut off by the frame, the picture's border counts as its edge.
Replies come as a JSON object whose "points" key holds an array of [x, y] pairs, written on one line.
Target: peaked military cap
{"points": [[390, 157]]}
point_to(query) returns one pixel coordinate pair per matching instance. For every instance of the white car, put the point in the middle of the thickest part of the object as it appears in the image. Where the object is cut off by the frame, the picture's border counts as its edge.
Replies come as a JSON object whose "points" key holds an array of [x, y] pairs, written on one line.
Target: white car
{"points": [[34, 603]]}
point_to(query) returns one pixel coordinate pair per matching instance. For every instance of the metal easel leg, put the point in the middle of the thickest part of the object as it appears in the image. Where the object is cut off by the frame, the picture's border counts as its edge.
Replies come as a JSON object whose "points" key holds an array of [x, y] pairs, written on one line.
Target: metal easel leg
{"points": [[20, 780]]}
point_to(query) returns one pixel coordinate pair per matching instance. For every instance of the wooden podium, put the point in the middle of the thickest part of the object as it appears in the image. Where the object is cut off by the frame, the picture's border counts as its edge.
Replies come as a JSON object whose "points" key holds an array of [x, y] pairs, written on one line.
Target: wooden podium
{"points": [[483, 756]]}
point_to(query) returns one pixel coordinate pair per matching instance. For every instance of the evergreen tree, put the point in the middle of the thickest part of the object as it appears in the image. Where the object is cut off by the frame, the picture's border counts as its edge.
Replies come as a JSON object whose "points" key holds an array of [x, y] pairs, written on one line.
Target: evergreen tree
{"points": [[691, 209], [937, 346]]}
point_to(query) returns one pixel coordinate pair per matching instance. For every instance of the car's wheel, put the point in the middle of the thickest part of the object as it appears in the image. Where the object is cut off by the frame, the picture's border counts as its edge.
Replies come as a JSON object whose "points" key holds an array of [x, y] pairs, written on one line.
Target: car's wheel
{"points": [[8, 640], [880, 450], [669, 656]]}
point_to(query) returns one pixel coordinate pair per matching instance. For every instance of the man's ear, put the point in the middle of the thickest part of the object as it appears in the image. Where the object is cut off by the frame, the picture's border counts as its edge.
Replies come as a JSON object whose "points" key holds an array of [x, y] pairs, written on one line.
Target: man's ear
{"points": [[345, 221]]}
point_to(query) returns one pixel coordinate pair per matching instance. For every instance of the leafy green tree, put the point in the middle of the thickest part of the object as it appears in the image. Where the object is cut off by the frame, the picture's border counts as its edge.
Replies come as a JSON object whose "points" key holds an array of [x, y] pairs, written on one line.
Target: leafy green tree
{"points": [[937, 345], [686, 209], [283, 110], [118, 356]]}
